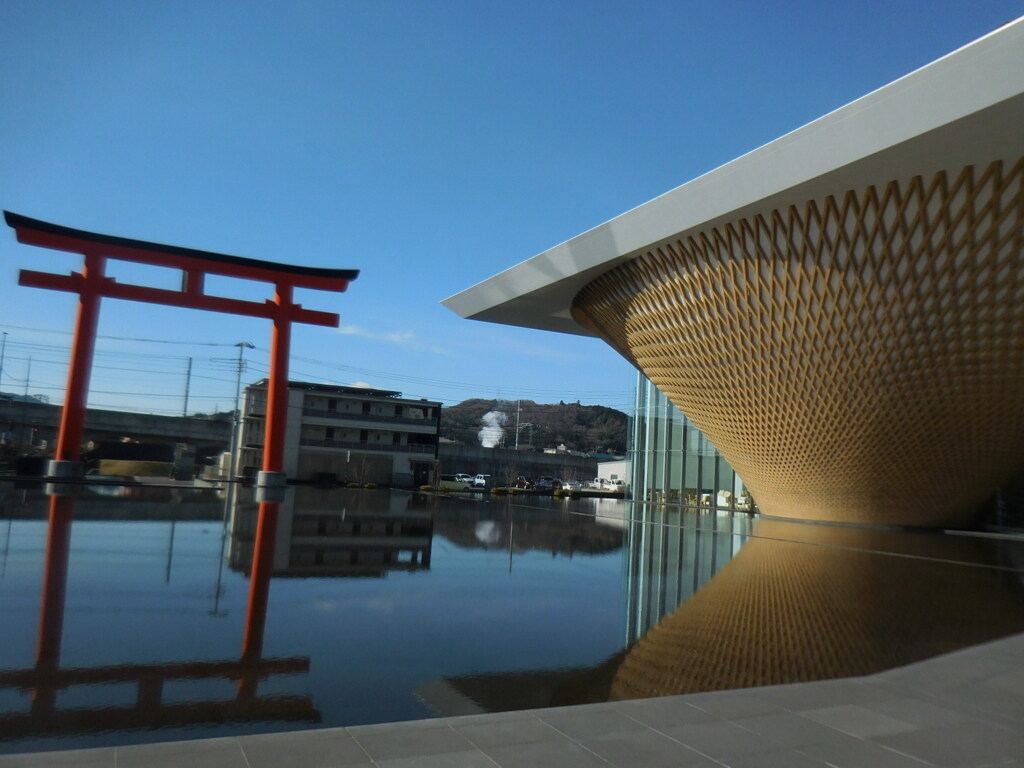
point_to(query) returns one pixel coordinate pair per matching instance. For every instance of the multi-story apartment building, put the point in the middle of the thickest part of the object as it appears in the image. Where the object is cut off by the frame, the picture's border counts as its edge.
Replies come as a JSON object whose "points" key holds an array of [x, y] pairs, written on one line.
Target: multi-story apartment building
{"points": [[348, 434]]}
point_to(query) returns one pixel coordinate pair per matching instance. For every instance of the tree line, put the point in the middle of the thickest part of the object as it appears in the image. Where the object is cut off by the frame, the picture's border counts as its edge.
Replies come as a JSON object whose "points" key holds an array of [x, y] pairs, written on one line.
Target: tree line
{"points": [[583, 428]]}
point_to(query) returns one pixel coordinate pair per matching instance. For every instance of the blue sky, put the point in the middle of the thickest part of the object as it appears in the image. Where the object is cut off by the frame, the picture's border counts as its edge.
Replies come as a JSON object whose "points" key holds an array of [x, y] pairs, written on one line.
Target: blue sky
{"points": [[429, 144]]}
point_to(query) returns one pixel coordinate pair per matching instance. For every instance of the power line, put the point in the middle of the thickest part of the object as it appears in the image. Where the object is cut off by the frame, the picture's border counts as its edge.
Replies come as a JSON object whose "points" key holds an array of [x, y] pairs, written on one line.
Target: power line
{"points": [[124, 338], [362, 372], [447, 384], [165, 365]]}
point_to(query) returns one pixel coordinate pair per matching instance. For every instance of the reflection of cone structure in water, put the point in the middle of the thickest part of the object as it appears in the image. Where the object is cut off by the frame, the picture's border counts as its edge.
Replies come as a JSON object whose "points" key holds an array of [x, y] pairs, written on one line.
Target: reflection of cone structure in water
{"points": [[804, 602]]}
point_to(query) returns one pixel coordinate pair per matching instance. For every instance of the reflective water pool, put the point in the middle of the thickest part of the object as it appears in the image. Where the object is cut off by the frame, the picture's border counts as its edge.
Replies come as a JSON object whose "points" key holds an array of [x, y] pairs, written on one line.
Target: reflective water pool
{"points": [[386, 606]]}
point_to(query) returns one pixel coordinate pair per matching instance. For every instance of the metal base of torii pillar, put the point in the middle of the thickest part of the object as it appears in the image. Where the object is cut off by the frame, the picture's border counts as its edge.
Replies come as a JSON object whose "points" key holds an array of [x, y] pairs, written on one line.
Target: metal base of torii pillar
{"points": [[91, 284]]}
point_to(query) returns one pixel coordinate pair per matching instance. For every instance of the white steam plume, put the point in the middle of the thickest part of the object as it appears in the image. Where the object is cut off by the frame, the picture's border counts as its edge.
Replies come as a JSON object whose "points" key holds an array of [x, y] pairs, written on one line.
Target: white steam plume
{"points": [[490, 434]]}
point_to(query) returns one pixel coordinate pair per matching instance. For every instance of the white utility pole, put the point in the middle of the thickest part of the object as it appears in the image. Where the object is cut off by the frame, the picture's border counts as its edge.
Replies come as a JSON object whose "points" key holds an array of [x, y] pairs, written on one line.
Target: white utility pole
{"points": [[3, 348], [236, 428], [188, 382]]}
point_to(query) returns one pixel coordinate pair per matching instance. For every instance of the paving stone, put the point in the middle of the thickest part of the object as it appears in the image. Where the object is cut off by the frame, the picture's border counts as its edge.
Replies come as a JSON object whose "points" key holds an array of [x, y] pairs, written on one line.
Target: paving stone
{"points": [[644, 749], [788, 729], [789, 758], [730, 704], [75, 758], [663, 713], [962, 745], [406, 725], [410, 742], [858, 721], [489, 717], [329, 748], [823, 694], [919, 712], [848, 752], [586, 722], [203, 753], [545, 754], [519, 731], [993, 706], [721, 740], [449, 760]]}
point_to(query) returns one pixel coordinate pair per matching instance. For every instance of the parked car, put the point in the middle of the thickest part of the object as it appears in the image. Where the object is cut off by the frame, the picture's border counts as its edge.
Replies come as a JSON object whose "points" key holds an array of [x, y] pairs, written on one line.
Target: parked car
{"points": [[481, 481], [522, 482], [462, 477], [548, 482], [452, 483], [572, 485]]}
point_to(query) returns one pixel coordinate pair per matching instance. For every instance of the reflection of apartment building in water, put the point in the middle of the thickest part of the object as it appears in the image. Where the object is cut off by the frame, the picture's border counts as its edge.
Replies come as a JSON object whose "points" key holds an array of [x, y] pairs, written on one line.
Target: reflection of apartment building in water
{"points": [[320, 533], [347, 434], [841, 311]]}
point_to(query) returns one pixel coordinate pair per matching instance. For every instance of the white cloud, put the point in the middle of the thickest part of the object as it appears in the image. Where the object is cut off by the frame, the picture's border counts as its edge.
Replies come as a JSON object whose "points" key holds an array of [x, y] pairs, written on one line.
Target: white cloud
{"points": [[400, 338]]}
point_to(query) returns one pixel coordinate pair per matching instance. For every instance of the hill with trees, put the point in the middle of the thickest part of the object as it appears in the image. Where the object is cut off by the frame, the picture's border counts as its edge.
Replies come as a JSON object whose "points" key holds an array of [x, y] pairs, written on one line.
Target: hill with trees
{"points": [[583, 428]]}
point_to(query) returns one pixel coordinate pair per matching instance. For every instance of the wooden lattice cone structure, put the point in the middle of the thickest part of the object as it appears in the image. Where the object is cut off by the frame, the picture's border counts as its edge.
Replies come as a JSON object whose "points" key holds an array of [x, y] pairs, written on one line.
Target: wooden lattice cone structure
{"points": [[840, 311], [856, 358]]}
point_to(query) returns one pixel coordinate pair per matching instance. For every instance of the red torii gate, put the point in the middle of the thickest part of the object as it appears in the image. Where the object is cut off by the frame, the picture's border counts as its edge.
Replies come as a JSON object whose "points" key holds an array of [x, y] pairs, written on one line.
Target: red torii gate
{"points": [[91, 284]]}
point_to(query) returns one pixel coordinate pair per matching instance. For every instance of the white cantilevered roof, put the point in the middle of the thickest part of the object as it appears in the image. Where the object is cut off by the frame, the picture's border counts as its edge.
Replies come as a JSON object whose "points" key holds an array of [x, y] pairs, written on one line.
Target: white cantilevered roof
{"points": [[964, 108]]}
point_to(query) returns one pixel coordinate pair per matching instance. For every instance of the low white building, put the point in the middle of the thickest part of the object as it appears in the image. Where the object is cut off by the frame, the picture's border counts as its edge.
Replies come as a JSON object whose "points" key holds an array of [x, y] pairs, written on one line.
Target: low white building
{"points": [[346, 434], [614, 472]]}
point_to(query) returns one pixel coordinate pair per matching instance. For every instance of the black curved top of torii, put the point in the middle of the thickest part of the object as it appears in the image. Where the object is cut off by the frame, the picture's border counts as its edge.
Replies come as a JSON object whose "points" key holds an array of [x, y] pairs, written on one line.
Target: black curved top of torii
{"points": [[66, 238]]}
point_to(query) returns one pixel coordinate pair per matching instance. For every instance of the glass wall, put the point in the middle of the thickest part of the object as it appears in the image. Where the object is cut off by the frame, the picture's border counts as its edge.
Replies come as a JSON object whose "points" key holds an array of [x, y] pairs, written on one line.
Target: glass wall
{"points": [[674, 463], [673, 552]]}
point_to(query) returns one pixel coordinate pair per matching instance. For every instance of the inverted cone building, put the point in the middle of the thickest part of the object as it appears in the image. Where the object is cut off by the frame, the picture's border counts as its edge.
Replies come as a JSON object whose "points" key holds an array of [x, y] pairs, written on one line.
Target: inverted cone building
{"points": [[840, 311]]}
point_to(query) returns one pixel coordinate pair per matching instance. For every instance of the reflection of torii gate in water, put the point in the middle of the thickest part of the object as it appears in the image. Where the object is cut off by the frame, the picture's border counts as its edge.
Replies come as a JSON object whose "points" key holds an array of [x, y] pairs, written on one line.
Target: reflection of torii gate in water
{"points": [[91, 285]]}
